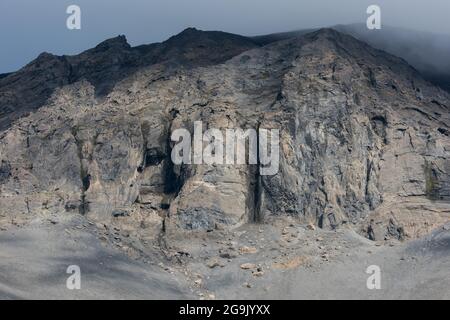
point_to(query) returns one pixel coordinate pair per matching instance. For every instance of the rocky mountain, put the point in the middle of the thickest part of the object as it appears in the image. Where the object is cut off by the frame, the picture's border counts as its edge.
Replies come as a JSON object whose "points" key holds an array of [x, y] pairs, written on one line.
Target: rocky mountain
{"points": [[364, 139], [427, 52], [114, 60]]}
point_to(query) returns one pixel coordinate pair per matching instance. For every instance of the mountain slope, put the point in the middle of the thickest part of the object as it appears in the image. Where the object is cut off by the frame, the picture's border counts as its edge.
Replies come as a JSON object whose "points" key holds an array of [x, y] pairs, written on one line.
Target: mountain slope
{"points": [[363, 137], [114, 59], [427, 52]]}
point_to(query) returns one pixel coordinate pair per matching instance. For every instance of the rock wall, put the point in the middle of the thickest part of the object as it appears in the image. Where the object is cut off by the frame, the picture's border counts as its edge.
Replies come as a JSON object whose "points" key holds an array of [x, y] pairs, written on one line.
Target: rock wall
{"points": [[363, 139]]}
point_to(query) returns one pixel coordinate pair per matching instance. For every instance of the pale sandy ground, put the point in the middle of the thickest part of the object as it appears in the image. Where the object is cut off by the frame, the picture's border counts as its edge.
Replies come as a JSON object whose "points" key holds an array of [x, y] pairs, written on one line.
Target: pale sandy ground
{"points": [[419, 270], [296, 263], [34, 261]]}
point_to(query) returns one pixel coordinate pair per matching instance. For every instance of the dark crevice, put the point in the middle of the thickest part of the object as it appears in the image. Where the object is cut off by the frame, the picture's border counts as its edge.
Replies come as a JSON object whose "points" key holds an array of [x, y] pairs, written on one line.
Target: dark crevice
{"points": [[443, 131], [432, 185], [371, 232], [173, 113], [380, 119], [27, 202], [150, 156], [5, 171], [372, 79], [436, 103], [201, 104], [170, 186], [86, 180], [153, 157], [279, 96], [368, 173], [85, 177], [257, 183], [165, 206], [426, 115], [395, 231], [172, 181], [162, 243], [379, 124]]}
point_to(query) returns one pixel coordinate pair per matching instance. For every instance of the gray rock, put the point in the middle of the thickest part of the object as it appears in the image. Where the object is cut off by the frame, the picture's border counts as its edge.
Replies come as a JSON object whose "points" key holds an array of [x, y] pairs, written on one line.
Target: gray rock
{"points": [[362, 136]]}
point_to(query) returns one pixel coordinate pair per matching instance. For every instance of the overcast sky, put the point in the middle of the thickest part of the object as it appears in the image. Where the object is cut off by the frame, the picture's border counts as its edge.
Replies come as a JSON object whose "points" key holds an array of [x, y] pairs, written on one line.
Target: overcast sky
{"points": [[29, 27]]}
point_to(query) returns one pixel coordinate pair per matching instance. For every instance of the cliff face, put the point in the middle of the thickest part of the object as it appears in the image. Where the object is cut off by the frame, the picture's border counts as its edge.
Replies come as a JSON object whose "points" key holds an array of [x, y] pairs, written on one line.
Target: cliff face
{"points": [[364, 140]]}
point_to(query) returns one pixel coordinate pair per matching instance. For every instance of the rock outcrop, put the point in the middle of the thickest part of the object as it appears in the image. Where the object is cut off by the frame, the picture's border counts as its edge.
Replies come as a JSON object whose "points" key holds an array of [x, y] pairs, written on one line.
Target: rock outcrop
{"points": [[364, 140]]}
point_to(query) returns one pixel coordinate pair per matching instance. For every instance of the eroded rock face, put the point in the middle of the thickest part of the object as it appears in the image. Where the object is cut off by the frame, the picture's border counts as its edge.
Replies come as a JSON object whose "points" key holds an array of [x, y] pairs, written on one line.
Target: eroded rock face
{"points": [[363, 139]]}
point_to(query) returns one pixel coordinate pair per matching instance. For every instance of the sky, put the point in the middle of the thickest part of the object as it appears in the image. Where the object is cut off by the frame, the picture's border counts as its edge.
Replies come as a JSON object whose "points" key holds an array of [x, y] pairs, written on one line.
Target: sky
{"points": [[29, 27]]}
